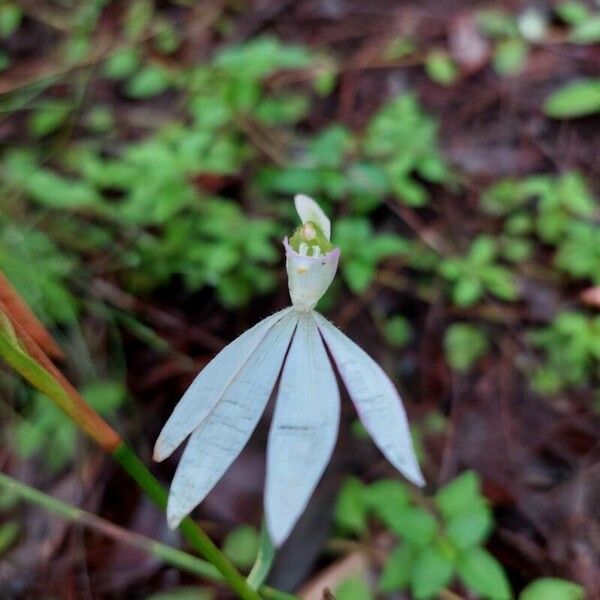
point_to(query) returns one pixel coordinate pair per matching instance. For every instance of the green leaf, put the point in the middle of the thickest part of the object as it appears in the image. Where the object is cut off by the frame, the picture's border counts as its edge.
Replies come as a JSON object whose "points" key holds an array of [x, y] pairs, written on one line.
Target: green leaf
{"points": [[138, 17], [509, 56], [441, 68], [49, 117], [470, 527], [241, 546], [353, 588], [587, 32], [414, 525], [104, 396], [10, 18], [397, 569], [460, 494], [150, 81], [358, 275], [350, 509], [431, 571], [483, 574], [386, 498], [552, 588], [467, 291], [464, 344], [9, 532], [574, 100], [397, 331], [572, 12], [122, 64]]}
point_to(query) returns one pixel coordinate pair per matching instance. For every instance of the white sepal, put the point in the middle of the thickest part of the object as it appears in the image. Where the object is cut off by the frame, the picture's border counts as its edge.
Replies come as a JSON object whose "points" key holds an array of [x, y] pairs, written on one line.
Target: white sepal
{"points": [[303, 432], [208, 387], [309, 210], [225, 431], [377, 402], [309, 276]]}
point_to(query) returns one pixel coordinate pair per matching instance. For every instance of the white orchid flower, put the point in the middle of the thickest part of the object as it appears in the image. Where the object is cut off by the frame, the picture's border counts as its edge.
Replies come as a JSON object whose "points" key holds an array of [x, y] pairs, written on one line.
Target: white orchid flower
{"points": [[222, 407]]}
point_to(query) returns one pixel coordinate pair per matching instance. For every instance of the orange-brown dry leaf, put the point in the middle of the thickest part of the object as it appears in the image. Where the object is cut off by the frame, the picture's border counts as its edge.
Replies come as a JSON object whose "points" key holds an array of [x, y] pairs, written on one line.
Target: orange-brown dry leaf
{"points": [[19, 312]]}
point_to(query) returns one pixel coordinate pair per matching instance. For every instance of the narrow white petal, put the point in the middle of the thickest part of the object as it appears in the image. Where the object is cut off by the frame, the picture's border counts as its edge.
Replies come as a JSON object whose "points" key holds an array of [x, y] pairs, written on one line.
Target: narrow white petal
{"points": [[376, 399], [309, 210], [209, 386], [223, 434], [303, 432]]}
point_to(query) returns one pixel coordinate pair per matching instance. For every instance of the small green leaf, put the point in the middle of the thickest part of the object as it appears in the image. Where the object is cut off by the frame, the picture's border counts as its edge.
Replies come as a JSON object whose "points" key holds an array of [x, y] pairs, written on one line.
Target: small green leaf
{"points": [[414, 525], [586, 32], [241, 546], [441, 68], [483, 574], [350, 509], [137, 18], [572, 12], [353, 588], [10, 19], [148, 82], [431, 571], [467, 291], [460, 494], [470, 527], [122, 64], [9, 532], [552, 588], [464, 344], [49, 117], [574, 100], [397, 569], [358, 275], [397, 331], [509, 56], [386, 498]]}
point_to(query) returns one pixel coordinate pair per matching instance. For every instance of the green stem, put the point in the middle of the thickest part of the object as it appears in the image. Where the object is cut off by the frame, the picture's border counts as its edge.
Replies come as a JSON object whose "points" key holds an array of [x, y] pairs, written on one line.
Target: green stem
{"points": [[156, 492], [51, 382], [173, 556], [264, 560]]}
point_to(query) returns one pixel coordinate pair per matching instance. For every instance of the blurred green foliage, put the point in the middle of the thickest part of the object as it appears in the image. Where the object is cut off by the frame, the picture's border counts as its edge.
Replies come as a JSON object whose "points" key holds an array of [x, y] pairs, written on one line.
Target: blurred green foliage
{"points": [[197, 196], [438, 540]]}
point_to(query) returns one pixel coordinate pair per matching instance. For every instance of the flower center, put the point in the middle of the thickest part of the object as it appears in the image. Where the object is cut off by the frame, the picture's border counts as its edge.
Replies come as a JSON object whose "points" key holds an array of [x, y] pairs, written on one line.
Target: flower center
{"points": [[309, 240]]}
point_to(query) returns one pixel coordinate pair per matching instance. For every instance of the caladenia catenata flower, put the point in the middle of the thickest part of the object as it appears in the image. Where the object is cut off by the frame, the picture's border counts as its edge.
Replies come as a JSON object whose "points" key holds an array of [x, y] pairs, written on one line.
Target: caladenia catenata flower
{"points": [[222, 407]]}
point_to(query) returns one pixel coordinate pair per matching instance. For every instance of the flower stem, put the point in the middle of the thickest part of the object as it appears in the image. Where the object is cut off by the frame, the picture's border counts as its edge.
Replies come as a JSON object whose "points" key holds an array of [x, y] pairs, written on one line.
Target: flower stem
{"points": [[35, 366], [173, 556], [196, 536]]}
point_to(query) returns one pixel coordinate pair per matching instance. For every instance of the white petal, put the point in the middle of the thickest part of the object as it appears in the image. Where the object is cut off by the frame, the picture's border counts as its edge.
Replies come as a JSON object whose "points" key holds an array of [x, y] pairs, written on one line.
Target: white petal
{"points": [[304, 429], [309, 210], [225, 431], [377, 402], [209, 386], [309, 276]]}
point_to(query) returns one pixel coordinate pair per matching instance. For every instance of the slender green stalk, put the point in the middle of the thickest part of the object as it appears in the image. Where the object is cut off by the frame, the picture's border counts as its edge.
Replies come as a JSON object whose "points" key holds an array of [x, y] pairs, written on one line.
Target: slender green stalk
{"points": [[156, 492], [51, 382], [173, 556], [264, 560]]}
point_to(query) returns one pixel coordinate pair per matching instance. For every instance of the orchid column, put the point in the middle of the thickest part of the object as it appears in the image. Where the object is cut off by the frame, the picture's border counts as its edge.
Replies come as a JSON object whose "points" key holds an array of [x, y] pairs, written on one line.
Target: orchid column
{"points": [[223, 405]]}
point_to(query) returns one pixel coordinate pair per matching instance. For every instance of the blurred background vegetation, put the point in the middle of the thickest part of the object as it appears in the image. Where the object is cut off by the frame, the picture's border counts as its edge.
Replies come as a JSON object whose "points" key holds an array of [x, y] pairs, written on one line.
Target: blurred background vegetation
{"points": [[149, 153]]}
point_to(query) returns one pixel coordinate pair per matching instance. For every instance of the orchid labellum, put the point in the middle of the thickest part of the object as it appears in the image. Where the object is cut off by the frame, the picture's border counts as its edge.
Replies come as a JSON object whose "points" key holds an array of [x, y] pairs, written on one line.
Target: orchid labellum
{"points": [[222, 407]]}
